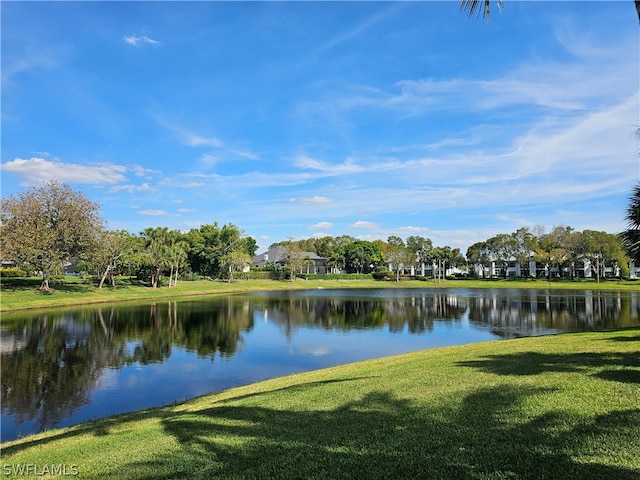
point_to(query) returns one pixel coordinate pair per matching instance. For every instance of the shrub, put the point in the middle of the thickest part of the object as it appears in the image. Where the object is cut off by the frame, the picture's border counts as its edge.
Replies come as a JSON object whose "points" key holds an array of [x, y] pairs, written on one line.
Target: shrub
{"points": [[260, 274], [383, 275], [12, 272]]}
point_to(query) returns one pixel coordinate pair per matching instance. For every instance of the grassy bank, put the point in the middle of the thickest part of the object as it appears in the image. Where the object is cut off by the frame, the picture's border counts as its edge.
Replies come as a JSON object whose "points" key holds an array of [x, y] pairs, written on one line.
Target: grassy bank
{"points": [[25, 295], [561, 407]]}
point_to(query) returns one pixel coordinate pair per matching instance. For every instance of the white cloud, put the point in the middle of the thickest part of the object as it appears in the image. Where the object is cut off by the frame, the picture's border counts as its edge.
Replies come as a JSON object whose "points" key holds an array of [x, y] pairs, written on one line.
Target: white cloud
{"points": [[317, 200], [207, 160], [189, 137], [246, 154], [141, 171], [188, 181], [348, 166], [363, 26], [36, 170], [195, 140], [132, 188], [598, 73], [140, 39], [321, 226], [28, 59], [156, 213], [362, 225]]}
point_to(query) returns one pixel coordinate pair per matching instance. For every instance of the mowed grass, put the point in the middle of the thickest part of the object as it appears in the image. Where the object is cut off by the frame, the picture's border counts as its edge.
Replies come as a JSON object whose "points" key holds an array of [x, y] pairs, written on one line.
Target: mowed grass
{"points": [[72, 291], [556, 407]]}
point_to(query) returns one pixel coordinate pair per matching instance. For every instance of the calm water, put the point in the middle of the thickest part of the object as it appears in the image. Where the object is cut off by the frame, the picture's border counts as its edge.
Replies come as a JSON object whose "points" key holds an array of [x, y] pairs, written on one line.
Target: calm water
{"points": [[62, 367]]}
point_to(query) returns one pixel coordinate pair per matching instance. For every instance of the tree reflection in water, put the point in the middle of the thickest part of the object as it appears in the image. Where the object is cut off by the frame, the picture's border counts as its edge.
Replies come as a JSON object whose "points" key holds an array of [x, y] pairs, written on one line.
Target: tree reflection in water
{"points": [[52, 361]]}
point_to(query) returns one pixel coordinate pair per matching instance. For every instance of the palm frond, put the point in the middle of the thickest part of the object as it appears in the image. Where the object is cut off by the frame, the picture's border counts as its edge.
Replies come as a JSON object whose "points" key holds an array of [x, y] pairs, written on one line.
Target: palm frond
{"points": [[631, 237], [473, 7]]}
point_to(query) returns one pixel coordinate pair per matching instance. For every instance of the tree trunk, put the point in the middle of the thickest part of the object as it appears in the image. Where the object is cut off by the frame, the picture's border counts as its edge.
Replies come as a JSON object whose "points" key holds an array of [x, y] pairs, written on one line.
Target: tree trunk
{"points": [[155, 277], [171, 276], [104, 277]]}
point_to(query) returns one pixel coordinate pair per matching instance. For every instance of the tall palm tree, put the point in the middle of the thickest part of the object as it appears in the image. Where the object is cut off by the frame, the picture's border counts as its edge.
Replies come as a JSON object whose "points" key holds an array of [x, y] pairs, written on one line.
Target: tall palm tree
{"points": [[473, 6], [631, 236]]}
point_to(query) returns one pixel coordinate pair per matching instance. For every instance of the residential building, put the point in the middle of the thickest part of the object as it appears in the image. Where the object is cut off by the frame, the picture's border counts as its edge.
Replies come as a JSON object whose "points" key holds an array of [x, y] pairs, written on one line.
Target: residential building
{"points": [[314, 264]]}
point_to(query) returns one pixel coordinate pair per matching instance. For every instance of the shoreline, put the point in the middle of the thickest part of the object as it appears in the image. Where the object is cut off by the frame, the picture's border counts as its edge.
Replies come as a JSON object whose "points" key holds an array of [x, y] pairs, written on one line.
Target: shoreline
{"points": [[466, 414]]}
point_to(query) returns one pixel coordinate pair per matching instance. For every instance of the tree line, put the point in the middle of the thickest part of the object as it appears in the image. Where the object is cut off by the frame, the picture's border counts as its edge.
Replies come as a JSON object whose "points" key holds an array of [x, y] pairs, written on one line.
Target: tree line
{"points": [[352, 255], [560, 250], [50, 225]]}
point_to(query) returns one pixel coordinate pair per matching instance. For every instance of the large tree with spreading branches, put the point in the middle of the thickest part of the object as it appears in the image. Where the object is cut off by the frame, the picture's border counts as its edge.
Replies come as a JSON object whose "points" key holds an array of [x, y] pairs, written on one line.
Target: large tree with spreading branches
{"points": [[47, 225]]}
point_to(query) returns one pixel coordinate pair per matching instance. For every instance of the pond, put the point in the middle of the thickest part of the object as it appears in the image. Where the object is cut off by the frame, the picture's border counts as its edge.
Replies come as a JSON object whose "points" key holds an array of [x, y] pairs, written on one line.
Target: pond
{"points": [[65, 366]]}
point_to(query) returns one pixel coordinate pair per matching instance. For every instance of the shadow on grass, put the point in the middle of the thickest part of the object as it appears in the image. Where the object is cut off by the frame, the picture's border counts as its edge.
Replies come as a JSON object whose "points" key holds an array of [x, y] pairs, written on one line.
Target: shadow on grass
{"points": [[624, 376], [55, 287], [97, 428], [383, 436], [534, 363], [103, 426], [631, 338]]}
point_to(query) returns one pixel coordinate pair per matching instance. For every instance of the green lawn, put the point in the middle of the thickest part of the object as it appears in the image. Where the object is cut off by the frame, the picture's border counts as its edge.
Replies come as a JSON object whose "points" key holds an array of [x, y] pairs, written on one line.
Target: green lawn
{"points": [[25, 295], [557, 407]]}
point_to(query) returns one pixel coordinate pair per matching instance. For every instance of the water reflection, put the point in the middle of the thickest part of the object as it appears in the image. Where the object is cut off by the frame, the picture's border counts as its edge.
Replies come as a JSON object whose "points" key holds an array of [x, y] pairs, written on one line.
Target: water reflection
{"points": [[532, 312], [414, 312], [55, 364]]}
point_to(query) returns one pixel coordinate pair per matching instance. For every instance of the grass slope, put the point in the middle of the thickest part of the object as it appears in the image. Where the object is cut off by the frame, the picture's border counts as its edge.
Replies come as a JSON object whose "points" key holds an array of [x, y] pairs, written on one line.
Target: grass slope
{"points": [[556, 407], [19, 294]]}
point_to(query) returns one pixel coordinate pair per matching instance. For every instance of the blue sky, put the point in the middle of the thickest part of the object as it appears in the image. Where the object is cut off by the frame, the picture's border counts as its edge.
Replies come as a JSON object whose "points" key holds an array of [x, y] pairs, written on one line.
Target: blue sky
{"points": [[302, 119]]}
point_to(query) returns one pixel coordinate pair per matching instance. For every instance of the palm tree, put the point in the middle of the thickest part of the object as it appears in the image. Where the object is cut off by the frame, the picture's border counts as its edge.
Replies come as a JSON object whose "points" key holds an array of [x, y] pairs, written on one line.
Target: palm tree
{"points": [[156, 250], [631, 236], [473, 6]]}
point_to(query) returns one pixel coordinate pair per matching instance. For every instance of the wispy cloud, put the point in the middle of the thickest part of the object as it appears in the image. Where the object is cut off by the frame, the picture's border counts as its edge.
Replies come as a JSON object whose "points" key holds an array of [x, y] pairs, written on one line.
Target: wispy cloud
{"points": [[360, 28], [190, 137], [321, 226], [34, 170], [317, 200], [596, 75], [363, 225], [140, 39], [194, 140], [156, 213], [32, 59], [174, 183], [130, 188], [141, 171], [246, 154], [207, 160], [347, 167]]}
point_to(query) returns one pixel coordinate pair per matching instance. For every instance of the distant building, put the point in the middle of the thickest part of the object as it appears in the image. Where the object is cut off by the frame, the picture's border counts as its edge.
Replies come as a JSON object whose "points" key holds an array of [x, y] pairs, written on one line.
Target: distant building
{"points": [[314, 263], [579, 269]]}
